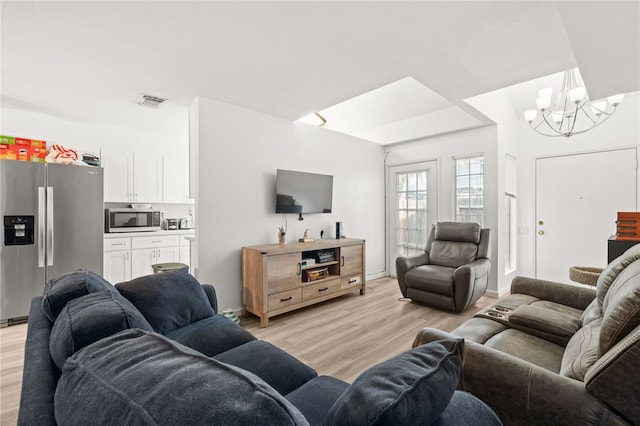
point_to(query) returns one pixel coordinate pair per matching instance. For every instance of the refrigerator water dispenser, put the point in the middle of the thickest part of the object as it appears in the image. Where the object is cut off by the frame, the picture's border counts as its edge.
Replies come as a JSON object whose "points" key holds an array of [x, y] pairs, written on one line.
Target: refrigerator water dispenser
{"points": [[19, 230]]}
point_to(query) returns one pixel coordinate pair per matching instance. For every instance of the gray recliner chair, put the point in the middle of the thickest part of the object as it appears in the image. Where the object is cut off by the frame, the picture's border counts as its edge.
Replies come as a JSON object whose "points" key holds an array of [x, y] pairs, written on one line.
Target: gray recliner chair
{"points": [[454, 270]]}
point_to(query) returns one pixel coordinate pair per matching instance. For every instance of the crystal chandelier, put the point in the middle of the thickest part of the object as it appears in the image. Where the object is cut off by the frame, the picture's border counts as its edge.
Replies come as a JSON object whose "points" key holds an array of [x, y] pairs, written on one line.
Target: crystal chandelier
{"points": [[572, 113]]}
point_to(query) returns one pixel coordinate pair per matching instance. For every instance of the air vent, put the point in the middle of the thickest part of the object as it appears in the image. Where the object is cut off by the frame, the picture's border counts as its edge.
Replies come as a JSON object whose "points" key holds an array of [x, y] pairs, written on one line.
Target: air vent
{"points": [[149, 101]]}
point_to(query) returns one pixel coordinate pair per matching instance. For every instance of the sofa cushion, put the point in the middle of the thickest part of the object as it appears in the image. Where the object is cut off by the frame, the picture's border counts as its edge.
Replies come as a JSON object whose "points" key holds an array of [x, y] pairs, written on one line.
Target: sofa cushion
{"points": [[591, 313], [620, 308], [168, 300], [452, 254], [212, 335], [529, 348], [58, 291], [412, 388], [466, 409], [316, 397], [433, 278], [143, 378], [280, 370], [90, 318], [581, 351]]}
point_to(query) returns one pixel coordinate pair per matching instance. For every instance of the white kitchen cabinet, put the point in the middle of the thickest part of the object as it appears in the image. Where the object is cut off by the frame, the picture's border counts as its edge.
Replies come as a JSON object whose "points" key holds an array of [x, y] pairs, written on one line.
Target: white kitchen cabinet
{"points": [[147, 251], [185, 251], [131, 177], [117, 260], [175, 180]]}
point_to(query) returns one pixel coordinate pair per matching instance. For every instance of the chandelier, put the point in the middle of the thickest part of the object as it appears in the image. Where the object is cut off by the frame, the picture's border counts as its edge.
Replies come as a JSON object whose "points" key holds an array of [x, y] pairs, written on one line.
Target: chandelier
{"points": [[572, 113]]}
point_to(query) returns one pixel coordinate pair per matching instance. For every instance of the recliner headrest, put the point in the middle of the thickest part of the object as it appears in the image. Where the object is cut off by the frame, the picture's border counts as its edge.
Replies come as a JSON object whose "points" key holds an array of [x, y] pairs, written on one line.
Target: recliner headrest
{"points": [[458, 231]]}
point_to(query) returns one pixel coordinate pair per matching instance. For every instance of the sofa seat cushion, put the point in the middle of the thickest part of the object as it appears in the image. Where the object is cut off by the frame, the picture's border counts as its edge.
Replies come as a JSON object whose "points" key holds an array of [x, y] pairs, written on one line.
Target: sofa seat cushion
{"points": [[143, 378], [168, 300], [414, 387], [479, 330], [280, 370], [316, 397], [466, 409], [432, 278], [59, 291], [90, 318], [212, 335], [528, 348]]}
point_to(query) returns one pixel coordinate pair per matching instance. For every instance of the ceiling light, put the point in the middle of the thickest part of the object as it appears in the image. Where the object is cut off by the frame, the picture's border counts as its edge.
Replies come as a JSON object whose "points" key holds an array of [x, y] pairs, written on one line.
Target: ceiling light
{"points": [[571, 113], [149, 101], [315, 119]]}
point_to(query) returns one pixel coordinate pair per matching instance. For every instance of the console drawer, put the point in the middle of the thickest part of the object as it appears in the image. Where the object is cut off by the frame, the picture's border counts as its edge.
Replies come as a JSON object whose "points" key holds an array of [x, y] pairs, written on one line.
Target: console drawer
{"points": [[323, 288], [284, 298], [351, 281]]}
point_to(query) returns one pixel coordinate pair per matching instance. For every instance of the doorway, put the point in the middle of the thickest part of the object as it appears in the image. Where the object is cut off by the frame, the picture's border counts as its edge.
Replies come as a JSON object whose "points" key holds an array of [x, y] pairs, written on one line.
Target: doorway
{"points": [[412, 208], [577, 200]]}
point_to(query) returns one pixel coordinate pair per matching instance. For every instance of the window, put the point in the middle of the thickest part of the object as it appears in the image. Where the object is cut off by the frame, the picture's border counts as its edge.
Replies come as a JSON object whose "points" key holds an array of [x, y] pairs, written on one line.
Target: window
{"points": [[469, 199]]}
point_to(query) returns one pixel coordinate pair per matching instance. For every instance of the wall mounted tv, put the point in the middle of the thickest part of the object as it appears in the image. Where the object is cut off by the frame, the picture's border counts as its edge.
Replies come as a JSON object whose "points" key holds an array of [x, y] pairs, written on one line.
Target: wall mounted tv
{"points": [[302, 193]]}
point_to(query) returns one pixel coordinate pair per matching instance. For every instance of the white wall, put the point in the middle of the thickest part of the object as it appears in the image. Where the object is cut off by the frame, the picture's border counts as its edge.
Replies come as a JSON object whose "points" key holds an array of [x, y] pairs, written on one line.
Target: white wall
{"points": [[443, 148], [238, 152], [622, 130]]}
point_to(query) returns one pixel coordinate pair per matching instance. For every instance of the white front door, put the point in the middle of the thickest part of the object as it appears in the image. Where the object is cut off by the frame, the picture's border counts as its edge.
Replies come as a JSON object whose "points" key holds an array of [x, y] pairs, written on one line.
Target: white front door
{"points": [[577, 200], [412, 208]]}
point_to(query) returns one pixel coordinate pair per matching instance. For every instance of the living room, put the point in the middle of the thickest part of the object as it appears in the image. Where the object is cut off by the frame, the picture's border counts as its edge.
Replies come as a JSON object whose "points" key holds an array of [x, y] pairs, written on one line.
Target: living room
{"points": [[236, 146]]}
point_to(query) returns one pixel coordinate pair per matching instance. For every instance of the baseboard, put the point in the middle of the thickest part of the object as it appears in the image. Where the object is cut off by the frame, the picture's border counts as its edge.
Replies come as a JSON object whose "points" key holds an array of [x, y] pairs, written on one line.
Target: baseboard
{"points": [[497, 294], [377, 275]]}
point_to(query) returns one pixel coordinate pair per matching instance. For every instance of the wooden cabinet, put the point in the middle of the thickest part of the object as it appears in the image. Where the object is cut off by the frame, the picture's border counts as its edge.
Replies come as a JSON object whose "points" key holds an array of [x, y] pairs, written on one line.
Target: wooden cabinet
{"points": [[279, 278]]}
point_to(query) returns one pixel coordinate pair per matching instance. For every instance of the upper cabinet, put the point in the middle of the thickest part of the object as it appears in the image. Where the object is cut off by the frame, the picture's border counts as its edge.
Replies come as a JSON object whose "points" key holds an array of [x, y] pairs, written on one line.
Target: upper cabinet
{"points": [[175, 181], [132, 177]]}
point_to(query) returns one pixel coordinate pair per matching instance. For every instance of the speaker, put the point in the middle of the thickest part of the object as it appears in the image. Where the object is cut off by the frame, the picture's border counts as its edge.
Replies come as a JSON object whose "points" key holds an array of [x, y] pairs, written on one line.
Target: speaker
{"points": [[339, 230]]}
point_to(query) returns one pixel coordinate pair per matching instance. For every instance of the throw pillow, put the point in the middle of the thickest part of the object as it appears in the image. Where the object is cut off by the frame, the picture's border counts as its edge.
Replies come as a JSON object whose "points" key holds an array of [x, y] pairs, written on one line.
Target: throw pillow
{"points": [[58, 291], [412, 388], [168, 300], [142, 378], [90, 318]]}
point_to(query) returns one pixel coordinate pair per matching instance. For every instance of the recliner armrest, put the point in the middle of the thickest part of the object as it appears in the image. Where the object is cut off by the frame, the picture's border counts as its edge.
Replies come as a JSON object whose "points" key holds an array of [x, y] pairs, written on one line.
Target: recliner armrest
{"points": [[566, 294], [210, 291], [405, 264]]}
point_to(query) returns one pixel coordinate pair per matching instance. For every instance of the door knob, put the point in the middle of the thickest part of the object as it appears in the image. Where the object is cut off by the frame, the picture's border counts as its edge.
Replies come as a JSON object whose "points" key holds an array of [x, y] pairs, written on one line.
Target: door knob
{"points": [[541, 232]]}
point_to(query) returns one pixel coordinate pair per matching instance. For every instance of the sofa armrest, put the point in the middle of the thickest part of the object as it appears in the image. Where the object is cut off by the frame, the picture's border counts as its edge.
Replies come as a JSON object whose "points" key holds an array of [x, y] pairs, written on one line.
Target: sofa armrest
{"points": [[210, 291], [405, 264], [566, 294], [40, 375], [519, 391]]}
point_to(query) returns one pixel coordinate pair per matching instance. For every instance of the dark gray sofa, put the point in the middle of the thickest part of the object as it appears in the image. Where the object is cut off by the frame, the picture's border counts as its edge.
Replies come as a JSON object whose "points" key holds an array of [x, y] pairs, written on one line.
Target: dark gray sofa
{"points": [[154, 351], [554, 353]]}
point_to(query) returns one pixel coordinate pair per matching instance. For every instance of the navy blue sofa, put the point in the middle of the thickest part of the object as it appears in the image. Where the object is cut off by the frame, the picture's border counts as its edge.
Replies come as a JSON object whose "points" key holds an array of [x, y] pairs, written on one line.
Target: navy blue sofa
{"points": [[154, 350]]}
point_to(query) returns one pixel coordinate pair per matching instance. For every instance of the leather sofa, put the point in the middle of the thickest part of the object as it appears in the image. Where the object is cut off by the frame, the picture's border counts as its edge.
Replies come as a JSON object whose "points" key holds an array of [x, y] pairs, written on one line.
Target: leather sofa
{"points": [[555, 353], [154, 350]]}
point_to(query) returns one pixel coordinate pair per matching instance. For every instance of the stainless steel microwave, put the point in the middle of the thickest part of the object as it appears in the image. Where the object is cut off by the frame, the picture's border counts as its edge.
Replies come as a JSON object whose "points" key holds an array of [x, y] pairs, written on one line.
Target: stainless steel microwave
{"points": [[131, 220]]}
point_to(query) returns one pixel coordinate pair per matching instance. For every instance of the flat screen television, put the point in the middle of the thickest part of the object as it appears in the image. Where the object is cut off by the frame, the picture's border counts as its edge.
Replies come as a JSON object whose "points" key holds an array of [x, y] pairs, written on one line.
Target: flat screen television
{"points": [[302, 193]]}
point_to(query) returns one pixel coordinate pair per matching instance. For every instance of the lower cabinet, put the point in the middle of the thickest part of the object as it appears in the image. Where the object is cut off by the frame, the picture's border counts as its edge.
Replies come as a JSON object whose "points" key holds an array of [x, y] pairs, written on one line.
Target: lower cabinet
{"points": [[131, 257]]}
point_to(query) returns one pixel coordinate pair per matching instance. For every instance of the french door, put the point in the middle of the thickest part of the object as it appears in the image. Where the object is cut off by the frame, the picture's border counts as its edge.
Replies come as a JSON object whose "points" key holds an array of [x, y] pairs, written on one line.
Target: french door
{"points": [[412, 208]]}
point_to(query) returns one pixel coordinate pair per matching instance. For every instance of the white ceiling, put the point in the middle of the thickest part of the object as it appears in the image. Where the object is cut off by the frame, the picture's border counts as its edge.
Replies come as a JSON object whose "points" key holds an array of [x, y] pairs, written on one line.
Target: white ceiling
{"points": [[90, 60]]}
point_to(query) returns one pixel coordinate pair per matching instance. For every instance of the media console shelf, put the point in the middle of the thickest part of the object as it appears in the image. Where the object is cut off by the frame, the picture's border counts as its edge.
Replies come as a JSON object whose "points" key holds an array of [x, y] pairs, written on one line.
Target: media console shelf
{"points": [[278, 278]]}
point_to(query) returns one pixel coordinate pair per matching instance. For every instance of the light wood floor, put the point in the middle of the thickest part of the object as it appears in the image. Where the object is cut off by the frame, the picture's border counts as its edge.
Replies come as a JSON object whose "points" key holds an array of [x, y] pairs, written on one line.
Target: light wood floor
{"points": [[340, 337]]}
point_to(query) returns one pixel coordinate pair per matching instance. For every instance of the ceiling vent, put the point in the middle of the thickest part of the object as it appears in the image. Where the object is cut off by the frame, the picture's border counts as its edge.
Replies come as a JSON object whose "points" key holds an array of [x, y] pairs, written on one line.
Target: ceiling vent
{"points": [[149, 101]]}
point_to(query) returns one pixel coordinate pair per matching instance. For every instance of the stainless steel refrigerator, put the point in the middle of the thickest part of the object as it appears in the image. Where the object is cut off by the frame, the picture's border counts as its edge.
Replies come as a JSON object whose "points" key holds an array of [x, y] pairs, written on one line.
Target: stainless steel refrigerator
{"points": [[53, 223]]}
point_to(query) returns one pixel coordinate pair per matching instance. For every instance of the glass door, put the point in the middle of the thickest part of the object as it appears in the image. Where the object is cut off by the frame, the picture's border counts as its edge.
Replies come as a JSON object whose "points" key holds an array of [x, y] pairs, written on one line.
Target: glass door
{"points": [[412, 208]]}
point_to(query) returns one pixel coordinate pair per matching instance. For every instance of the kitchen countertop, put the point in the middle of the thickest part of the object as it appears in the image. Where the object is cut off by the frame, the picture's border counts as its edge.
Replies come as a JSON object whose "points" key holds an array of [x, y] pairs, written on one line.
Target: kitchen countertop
{"points": [[189, 232]]}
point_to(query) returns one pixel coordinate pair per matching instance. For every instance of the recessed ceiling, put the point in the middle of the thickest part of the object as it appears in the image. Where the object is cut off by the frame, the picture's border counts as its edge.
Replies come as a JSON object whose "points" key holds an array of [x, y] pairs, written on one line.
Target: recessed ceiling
{"points": [[289, 58]]}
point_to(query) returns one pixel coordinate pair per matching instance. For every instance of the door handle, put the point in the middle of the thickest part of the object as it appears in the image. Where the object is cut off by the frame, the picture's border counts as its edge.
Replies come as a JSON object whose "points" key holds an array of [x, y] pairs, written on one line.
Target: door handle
{"points": [[41, 227], [50, 233], [541, 232]]}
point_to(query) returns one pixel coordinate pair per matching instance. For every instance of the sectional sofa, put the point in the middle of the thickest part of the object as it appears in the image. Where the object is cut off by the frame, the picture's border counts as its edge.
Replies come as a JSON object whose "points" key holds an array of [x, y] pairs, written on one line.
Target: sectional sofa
{"points": [[154, 351], [555, 353]]}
